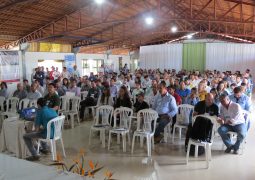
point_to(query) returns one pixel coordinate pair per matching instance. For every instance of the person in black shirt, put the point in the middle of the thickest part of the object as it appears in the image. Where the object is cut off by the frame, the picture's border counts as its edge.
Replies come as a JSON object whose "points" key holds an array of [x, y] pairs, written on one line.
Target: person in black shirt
{"points": [[52, 99], [91, 100], [140, 104], [123, 98], [207, 106], [203, 107]]}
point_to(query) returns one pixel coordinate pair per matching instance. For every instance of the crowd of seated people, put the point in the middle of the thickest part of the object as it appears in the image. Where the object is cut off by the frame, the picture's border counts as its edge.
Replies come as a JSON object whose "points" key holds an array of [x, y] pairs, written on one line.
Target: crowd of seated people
{"points": [[160, 90]]}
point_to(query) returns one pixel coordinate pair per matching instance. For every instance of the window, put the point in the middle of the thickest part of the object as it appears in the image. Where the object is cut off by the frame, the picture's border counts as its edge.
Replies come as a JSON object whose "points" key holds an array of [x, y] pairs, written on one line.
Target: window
{"points": [[91, 65]]}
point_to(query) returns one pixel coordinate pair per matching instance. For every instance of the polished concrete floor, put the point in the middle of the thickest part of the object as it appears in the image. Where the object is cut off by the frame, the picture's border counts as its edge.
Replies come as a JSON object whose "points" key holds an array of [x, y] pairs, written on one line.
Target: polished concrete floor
{"points": [[168, 160]]}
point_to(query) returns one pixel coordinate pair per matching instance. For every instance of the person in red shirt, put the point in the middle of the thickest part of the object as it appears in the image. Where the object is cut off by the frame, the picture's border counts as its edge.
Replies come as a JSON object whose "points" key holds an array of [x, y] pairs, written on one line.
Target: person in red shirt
{"points": [[171, 90], [51, 73], [178, 99]]}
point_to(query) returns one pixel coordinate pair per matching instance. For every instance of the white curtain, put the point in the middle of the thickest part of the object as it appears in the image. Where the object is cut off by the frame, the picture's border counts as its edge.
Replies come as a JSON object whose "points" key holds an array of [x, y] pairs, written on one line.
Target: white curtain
{"points": [[164, 56], [230, 56]]}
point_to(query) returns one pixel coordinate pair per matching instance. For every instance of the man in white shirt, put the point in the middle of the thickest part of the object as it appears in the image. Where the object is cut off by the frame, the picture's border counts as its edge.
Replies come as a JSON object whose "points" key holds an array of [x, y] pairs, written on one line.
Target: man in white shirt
{"points": [[56, 74], [76, 73], [65, 73], [231, 119]]}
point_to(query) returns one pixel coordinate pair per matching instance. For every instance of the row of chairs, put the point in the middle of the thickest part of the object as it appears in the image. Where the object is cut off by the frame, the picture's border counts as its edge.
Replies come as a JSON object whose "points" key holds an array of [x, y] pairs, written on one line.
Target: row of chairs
{"points": [[122, 123]]}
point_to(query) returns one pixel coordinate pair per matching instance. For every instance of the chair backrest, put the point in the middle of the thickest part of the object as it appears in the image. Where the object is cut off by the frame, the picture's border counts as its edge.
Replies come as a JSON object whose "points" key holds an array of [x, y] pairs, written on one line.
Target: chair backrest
{"points": [[12, 104], [125, 116], [84, 95], [57, 124], [24, 103], [70, 94], [33, 103], [214, 125], [2, 100], [146, 120], [75, 103], [63, 103], [105, 114], [184, 113]]}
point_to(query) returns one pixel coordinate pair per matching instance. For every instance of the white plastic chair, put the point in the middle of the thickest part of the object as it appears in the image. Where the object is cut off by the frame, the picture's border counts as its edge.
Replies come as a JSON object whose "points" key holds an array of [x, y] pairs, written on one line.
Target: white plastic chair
{"points": [[105, 113], [63, 109], [2, 100], [11, 107], [24, 103], [57, 123], [206, 145], [84, 95], [125, 116], [74, 110], [147, 118], [182, 119]]}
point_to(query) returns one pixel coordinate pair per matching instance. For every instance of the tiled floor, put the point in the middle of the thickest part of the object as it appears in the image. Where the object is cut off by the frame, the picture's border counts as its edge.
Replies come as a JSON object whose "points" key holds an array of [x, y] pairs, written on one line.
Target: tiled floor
{"points": [[168, 159]]}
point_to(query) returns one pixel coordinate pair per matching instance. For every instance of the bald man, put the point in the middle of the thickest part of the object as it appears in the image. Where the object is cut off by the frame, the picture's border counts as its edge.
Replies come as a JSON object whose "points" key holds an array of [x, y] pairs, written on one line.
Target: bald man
{"points": [[207, 106]]}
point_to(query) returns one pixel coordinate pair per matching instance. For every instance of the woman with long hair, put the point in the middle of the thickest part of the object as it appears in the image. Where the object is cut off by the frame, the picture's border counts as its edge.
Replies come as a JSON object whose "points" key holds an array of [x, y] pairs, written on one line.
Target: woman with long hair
{"points": [[65, 84], [106, 98], [3, 90]]}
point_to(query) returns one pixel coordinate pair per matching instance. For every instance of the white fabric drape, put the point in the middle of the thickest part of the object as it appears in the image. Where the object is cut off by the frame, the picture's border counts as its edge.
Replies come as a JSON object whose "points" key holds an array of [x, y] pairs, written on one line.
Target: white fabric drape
{"points": [[230, 56], [164, 56]]}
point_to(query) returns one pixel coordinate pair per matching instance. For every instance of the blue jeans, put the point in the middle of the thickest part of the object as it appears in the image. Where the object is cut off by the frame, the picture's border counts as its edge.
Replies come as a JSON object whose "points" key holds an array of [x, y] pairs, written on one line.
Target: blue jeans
{"points": [[29, 137], [240, 129], [162, 122]]}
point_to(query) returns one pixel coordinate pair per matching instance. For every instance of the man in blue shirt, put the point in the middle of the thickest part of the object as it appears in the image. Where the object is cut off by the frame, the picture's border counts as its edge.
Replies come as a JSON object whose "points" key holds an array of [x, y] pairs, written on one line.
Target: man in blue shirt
{"points": [[183, 91], [166, 107], [43, 116], [243, 100]]}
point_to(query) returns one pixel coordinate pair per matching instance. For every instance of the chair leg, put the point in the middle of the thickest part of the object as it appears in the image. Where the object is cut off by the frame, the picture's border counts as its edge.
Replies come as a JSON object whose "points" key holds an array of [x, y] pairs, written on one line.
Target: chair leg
{"points": [[180, 133], [165, 134], [187, 155], [63, 148], [133, 144], [207, 155], [129, 138], [103, 138], [109, 140], [148, 139], [173, 136], [72, 121], [141, 141], [52, 150], [124, 141], [209, 152], [196, 151], [152, 143], [38, 146]]}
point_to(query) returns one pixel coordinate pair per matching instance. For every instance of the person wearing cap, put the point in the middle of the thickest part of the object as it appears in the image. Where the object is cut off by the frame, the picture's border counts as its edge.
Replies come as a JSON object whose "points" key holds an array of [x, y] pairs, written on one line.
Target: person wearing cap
{"points": [[140, 104]]}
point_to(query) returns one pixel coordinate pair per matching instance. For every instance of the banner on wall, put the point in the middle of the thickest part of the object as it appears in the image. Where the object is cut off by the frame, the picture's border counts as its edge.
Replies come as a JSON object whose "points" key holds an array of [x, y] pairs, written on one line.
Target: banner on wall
{"points": [[69, 62], [9, 66]]}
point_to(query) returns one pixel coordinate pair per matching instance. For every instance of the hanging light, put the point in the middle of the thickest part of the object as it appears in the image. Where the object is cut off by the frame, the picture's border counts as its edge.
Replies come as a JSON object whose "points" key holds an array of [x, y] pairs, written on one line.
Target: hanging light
{"points": [[149, 20], [99, 1], [174, 29], [189, 36]]}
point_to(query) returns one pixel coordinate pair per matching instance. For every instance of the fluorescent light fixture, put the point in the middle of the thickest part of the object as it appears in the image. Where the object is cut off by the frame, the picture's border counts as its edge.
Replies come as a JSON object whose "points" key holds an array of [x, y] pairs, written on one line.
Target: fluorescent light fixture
{"points": [[149, 20], [99, 1], [174, 29]]}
